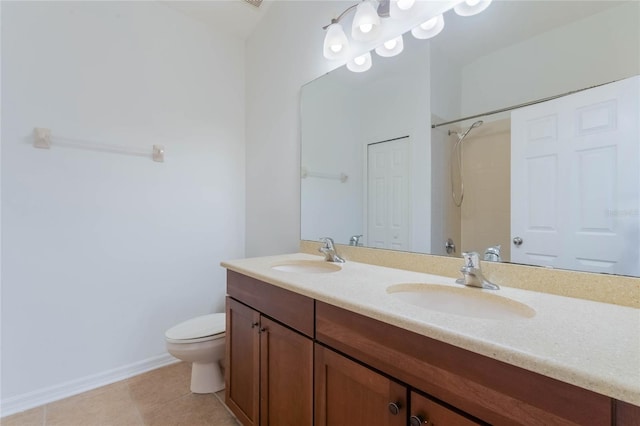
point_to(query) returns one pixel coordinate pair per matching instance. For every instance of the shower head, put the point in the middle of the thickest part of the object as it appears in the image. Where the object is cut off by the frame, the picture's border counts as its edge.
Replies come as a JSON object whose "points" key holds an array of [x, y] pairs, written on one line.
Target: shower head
{"points": [[463, 135]]}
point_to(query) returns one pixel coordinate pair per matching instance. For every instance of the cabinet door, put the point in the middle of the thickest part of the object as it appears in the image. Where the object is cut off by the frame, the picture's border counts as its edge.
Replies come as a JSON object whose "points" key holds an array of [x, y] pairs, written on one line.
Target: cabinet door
{"points": [[627, 414], [425, 412], [243, 362], [348, 393], [286, 376]]}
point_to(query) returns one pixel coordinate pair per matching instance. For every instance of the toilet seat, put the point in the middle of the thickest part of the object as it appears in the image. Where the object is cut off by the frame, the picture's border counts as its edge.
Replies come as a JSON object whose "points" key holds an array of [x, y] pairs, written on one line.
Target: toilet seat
{"points": [[198, 329]]}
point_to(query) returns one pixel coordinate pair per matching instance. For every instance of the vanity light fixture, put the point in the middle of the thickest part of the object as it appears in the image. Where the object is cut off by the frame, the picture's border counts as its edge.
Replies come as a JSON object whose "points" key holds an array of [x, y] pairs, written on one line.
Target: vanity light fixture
{"points": [[366, 22], [391, 47], [336, 45], [430, 28], [471, 7], [400, 9], [367, 26], [360, 63]]}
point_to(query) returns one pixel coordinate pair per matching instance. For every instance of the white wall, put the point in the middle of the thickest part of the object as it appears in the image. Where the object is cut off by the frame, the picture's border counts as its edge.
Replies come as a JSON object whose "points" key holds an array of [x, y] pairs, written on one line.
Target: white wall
{"points": [[445, 77], [102, 252], [598, 49]]}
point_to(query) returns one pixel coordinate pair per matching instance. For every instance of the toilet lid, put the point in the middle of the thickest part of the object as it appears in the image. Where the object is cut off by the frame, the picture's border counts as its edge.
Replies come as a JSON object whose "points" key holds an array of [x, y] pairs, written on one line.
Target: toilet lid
{"points": [[203, 326]]}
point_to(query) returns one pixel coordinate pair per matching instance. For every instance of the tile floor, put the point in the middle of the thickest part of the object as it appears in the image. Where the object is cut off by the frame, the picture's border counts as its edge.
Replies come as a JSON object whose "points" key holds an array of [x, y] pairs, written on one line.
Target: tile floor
{"points": [[158, 398]]}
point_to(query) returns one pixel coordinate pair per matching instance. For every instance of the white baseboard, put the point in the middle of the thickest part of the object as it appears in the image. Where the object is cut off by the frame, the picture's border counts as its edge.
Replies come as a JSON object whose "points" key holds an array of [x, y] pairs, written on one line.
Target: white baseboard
{"points": [[40, 397]]}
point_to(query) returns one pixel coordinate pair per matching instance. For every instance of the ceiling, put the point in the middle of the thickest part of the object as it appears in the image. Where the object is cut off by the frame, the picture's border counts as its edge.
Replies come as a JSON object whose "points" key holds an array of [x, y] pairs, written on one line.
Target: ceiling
{"points": [[235, 17]]}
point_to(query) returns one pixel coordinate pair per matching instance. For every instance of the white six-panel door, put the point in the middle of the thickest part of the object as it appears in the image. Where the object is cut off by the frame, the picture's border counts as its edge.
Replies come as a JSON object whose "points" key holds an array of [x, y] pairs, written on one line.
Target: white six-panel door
{"points": [[575, 181], [388, 203]]}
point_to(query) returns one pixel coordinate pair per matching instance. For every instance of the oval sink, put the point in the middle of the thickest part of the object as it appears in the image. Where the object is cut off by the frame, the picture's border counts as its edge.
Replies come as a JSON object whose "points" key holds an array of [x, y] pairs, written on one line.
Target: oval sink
{"points": [[307, 267], [468, 302]]}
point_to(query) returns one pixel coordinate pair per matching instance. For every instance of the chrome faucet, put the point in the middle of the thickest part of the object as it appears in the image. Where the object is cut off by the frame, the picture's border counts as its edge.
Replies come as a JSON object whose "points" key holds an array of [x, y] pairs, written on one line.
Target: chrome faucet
{"points": [[492, 254], [329, 251], [355, 240], [473, 274]]}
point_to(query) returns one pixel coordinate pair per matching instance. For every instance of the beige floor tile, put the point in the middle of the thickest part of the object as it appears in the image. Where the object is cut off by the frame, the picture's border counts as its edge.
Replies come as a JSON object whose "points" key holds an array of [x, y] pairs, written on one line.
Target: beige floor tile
{"points": [[154, 389], [106, 406], [233, 420], [33, 417], [158, 398], [191, 410]]}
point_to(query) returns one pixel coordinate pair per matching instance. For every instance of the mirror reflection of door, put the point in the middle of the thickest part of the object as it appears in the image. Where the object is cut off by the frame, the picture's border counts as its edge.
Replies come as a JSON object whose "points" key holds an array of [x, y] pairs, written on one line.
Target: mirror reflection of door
{"points": [[575, 193], [388, 189]]}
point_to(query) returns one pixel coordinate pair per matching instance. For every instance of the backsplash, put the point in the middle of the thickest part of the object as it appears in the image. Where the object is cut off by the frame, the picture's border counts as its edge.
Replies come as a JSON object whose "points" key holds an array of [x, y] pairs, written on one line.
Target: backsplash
{"points": [[619, 290]]}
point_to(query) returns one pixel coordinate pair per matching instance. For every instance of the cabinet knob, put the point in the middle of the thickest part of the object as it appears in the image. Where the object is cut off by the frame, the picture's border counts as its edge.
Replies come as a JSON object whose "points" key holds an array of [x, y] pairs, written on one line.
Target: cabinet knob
{"points": [[262, 330], [394, 408], [255, 324], [417, 421]]}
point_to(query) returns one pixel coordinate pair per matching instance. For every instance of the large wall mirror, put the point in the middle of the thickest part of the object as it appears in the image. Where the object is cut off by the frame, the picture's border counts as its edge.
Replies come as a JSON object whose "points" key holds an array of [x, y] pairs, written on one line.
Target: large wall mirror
{"points": [[517, 128]]}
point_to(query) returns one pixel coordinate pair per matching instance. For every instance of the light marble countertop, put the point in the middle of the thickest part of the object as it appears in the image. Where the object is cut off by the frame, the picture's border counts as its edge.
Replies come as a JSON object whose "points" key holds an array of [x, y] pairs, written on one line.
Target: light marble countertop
{"points": [[592, 345]]}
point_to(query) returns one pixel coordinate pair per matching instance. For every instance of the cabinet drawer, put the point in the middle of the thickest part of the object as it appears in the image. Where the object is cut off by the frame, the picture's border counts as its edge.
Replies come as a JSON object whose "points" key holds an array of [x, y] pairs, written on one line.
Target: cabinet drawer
{"points": [[483, 387], [292, 309]]}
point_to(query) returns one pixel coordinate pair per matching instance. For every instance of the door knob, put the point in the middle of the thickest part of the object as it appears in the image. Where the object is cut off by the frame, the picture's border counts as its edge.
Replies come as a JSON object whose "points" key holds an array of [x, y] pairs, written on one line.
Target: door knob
{"points": [[517, 241]]}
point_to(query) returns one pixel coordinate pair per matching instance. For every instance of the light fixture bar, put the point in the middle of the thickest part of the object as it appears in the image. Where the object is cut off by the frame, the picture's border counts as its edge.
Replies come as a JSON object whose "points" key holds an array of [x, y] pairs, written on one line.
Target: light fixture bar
{"points": [[339, 18], [368, 32]]}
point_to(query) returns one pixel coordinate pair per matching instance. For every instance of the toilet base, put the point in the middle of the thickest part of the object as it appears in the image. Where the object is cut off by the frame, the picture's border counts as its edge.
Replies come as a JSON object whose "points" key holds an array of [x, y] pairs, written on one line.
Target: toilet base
{"points": [[206, 378]]}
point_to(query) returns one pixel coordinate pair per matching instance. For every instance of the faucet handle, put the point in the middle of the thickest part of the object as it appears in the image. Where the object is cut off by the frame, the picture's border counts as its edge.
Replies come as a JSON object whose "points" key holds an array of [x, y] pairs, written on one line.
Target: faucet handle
{"points": [[329, 251], [471, 259], [493, 254], [355, 240], [328, 242]]}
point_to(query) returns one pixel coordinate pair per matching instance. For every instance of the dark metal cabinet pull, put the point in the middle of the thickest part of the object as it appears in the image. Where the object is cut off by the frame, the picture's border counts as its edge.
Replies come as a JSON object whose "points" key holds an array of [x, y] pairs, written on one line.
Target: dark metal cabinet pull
{"points": [[417, 421], [394, 408]]}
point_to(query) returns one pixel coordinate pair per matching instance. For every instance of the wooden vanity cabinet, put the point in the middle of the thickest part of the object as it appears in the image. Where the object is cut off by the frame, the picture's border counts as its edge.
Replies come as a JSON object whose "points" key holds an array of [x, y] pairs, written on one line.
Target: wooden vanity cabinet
{"points": [[269, 368], [366, 370], [427, 412], [242, 370], [627, 414], [486, 389], [348, 393]]}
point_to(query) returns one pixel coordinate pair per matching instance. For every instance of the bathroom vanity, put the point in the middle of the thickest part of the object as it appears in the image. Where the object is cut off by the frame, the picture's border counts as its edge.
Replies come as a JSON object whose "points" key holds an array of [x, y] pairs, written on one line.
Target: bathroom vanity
{"points": [[309, 344]]}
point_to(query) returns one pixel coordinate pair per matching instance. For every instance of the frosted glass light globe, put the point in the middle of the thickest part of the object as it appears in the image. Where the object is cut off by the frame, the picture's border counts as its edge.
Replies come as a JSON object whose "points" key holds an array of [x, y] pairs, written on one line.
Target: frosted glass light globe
{"points": [[428, 29], [391, 47], [336, 45], [365, 28], [360, 63], [406, 4], [430, 24], [471, 7], [366, 22]]}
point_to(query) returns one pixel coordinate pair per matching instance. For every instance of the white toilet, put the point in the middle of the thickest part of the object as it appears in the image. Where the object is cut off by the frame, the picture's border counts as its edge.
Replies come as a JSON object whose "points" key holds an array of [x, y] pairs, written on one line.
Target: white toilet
{"points": [[200, 341]]}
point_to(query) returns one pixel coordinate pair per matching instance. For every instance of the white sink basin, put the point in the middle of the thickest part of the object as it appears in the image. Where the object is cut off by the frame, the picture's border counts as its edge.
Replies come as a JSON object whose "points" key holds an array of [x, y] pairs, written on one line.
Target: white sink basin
{"points": [[468, 302], [307, 267]]}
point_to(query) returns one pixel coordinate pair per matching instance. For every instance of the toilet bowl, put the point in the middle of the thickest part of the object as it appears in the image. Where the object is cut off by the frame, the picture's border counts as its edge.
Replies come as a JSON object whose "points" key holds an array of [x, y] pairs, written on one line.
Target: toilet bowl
{"points": [[200, 341]]}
